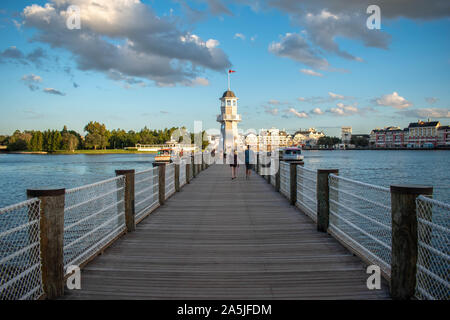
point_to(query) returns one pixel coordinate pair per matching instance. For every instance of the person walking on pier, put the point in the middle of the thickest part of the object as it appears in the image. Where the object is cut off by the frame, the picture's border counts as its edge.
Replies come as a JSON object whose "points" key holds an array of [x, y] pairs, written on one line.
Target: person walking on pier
{"points": [[248, 162], [234, 165]]}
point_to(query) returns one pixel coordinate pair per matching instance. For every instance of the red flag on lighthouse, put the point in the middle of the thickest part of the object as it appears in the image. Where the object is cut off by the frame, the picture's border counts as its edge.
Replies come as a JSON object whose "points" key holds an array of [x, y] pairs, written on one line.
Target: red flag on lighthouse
{"points": [[231, 71]]}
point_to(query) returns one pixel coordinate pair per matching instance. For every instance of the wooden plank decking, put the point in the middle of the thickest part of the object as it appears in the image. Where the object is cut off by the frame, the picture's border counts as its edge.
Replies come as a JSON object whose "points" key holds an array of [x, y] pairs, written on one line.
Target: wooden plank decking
{"points": [[223, 239]]}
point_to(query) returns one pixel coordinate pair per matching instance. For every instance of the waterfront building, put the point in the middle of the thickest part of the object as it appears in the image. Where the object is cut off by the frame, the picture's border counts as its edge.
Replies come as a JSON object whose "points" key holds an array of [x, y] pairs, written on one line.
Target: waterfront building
{"points": [[423, 134], [307, 138], [229, 119], [346, 135], [443, 136], [272, 139], [389, 137]]}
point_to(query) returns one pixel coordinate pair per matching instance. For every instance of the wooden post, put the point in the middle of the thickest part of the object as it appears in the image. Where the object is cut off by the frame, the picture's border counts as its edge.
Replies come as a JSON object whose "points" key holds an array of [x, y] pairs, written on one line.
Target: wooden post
{"points": [[188, 172], [194, 167], [293, 180], [177, 177], [257, 163], [323, 198], [300, 182], [404, 239], [162, 182], [129, 198], [52, 239], [277, 175]]}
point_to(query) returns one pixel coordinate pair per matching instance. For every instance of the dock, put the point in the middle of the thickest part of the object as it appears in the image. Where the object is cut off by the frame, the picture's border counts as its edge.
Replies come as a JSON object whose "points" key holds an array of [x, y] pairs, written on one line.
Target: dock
{"points": [[224, 239]]}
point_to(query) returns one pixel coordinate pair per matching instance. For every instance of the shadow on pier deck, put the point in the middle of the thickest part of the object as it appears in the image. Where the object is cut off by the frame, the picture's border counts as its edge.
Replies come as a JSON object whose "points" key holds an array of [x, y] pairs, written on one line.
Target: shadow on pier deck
{"points": [[223, 239]]}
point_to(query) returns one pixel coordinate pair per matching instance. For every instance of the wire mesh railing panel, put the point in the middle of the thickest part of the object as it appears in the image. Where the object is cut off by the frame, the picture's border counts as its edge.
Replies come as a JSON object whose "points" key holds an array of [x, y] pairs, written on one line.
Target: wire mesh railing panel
{"points": [[20, 253], [433, 228], [307, 191], [93, 216], [146, 193], [182, 173], [285, 179], [170, 180], [360, 216]]}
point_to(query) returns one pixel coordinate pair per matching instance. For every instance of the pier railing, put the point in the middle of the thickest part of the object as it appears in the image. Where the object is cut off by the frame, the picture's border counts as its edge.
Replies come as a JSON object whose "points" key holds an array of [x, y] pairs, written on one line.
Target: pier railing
{"points": [[20, 263], [57, 229], [400, 229], [434, 249]]}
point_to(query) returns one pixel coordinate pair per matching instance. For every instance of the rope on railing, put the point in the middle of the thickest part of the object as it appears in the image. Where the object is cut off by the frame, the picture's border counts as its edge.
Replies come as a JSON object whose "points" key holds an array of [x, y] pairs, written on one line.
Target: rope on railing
{"points": [[20, 260], [360, 216], [306, 191], [433, 228], [285, 178], [93, 216], [146, 193]]}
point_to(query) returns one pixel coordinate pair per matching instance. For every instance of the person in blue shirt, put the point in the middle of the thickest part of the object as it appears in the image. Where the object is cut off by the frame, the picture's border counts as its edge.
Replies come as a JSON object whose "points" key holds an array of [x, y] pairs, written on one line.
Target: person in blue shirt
{"points": [[248, 162]]}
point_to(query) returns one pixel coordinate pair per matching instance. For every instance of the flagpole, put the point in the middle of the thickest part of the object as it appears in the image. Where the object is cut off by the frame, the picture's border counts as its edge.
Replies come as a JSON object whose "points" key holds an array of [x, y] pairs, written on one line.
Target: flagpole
{"points": [[228, 80]]}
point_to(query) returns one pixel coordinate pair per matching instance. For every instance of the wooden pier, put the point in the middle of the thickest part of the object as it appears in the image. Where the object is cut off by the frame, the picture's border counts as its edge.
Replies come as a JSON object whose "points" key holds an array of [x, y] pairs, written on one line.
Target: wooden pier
{"points": [[224, 239]]}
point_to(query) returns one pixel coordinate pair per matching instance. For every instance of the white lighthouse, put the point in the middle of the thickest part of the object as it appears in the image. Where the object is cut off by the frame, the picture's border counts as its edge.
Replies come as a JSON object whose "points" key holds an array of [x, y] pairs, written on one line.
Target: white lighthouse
{"points": [[229, 119]]}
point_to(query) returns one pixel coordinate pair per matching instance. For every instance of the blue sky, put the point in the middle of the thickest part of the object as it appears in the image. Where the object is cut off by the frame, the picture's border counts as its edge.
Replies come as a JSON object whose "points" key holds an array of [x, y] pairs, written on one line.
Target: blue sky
{"points": [[128, 68]]}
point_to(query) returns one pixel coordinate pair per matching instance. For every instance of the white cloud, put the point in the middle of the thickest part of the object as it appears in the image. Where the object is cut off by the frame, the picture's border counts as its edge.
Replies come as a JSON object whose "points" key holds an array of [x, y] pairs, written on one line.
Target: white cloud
{"points": [[317, 111], [335, 96], [294, 46], [344, 110], [426, 113], [299, 114], [126, 36], [310, 72], [393, 100], [54, 92], [239, 36], [271, 111], [31, 81]]}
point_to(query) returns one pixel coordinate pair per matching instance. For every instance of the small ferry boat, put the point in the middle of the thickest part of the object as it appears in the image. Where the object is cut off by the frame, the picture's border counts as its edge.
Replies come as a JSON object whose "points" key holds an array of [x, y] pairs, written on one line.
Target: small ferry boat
{"points": [[165, 156], [292, 154]]}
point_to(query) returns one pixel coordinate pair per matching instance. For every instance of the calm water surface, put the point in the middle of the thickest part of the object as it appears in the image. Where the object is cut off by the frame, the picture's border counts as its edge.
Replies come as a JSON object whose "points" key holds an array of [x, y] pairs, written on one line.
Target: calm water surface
{"points": [[21, 172]]}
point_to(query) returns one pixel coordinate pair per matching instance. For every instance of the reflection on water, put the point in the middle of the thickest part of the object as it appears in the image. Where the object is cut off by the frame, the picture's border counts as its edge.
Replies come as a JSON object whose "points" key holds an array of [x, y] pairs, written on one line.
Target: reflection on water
{"points": [[384, 167], [19, 172]]}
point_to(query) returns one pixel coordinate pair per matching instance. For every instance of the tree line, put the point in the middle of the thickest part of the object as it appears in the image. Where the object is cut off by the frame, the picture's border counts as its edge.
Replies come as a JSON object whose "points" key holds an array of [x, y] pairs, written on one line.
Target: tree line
{"points": [[97, 137]]}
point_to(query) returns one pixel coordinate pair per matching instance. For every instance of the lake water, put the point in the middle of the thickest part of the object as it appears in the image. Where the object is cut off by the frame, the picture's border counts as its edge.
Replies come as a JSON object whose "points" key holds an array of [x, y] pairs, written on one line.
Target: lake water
{"points": [[20, 172]]}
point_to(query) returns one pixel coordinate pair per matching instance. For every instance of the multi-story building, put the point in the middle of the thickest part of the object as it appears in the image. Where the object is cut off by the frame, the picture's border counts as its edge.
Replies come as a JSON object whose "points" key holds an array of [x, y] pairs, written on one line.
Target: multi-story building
{"points": [[346, 135], [423, 134], [307, 138], [273, 138], [443, 136], [389, 137]]}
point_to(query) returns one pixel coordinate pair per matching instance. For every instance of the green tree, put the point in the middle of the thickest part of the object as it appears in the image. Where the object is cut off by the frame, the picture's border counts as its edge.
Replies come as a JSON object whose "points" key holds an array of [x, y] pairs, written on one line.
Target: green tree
{"points": [[69, 141], [97, 136], [37, 141], [19, 141], [328, 141]]}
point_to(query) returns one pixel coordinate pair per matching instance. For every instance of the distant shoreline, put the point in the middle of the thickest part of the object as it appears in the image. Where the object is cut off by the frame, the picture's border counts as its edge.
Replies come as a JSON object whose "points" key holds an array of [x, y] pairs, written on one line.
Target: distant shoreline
{"points": [[89, 152]]}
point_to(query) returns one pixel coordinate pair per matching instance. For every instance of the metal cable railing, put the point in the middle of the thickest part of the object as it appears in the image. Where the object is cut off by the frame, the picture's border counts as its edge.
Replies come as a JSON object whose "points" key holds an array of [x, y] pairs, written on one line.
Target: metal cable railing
{"points": [[360, 216], [146, 193], [20, 260], [285, 179], [93, 216], [170, 180], [307, 191], [273, 177], [433, 228]]}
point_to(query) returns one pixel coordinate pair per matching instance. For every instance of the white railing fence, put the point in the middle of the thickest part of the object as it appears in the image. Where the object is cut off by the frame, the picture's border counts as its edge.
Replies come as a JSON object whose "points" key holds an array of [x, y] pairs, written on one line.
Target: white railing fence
{"points": [[20, 261], [93, 216], [360, 216], [146, 193], [170, 180], [285, 179], [307, 191], [433, 228]]}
